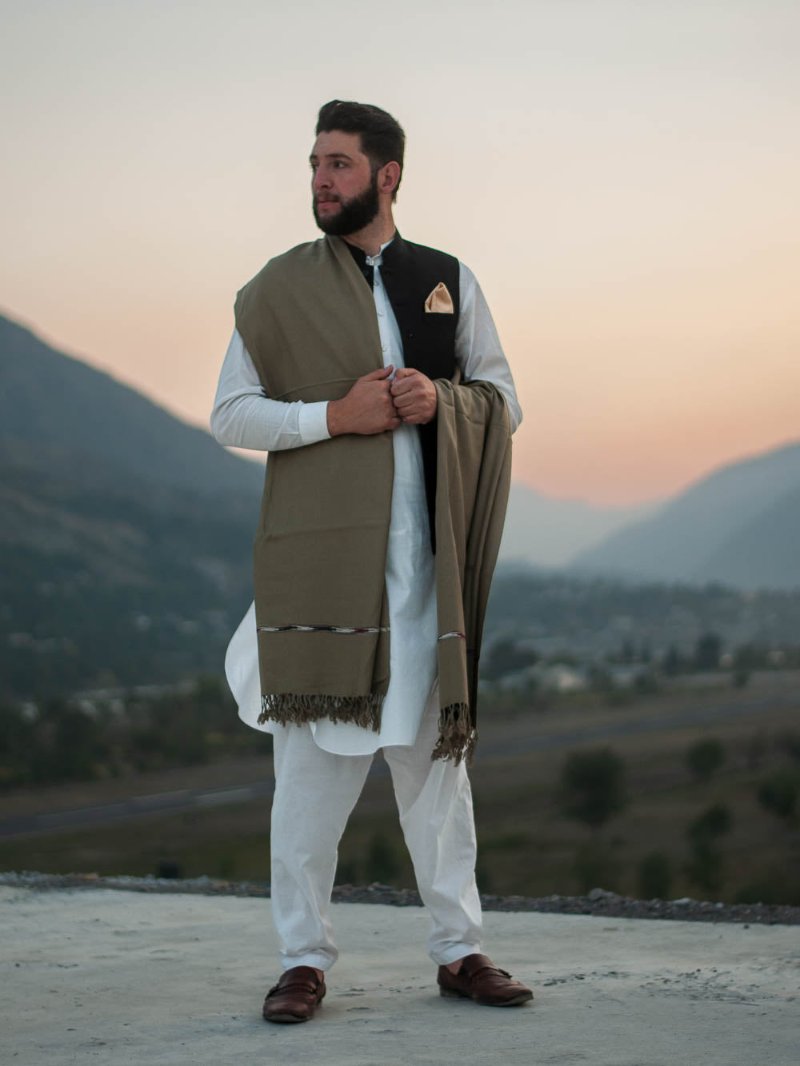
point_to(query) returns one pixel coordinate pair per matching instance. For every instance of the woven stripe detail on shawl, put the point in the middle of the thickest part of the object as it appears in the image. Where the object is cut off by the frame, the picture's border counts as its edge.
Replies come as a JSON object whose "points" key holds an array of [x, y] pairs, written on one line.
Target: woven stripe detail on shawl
{"points": [[345, 630]]}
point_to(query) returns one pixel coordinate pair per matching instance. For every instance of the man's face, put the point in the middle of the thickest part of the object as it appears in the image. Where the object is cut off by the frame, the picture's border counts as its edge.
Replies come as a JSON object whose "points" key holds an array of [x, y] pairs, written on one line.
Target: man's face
{"points": [[343, 184]]}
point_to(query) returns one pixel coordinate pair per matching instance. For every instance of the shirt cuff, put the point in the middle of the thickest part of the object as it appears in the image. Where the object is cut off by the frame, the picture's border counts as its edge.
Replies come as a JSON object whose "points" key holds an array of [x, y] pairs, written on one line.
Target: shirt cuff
{"points": [[312, 422]]}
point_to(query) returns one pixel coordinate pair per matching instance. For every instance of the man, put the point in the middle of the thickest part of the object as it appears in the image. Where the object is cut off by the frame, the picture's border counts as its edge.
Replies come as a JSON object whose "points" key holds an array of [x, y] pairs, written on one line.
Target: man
{"points": [[380, 523]]}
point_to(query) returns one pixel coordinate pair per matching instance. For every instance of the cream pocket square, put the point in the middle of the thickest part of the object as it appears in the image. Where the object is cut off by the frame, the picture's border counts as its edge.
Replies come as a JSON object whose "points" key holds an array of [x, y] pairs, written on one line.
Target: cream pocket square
{"points": [[440, 302]]}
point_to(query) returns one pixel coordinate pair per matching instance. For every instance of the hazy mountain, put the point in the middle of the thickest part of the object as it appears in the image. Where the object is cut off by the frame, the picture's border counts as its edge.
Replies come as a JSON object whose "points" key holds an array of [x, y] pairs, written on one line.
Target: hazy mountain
{"points": [[545, 531], [766, 550], [78, 421], [125, 533], [739, 525]]}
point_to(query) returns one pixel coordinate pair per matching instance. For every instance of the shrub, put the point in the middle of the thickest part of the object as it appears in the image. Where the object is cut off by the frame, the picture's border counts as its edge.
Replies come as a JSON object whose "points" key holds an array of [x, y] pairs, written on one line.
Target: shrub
{"points": [[778, 792], [705, 757], [712, 823], [705, 865], [382, 863], [592, 787], [655, 876]]}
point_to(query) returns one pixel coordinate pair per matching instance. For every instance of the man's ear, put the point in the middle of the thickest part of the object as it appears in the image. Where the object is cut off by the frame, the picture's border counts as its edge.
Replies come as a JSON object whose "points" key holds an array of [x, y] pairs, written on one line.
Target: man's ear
{"points": [[389, 177]]}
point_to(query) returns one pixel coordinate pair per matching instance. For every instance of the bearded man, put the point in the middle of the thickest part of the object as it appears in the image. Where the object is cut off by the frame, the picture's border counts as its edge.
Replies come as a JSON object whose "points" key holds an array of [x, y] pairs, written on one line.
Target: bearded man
{"points": [[370, 368]]}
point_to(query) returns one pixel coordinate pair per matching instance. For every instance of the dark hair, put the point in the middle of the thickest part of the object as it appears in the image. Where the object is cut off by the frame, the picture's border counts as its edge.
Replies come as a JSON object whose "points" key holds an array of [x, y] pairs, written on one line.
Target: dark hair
{"points": [[382, 137]]}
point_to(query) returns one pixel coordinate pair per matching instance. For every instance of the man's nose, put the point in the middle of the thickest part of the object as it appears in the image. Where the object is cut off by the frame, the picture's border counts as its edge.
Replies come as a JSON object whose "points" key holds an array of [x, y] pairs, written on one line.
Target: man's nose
{"points": [[321, 180]]}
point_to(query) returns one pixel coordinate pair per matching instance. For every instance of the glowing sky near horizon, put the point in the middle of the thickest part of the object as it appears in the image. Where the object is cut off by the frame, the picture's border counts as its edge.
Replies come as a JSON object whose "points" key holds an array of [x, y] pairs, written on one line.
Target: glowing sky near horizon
{"points": [[622, 177]]}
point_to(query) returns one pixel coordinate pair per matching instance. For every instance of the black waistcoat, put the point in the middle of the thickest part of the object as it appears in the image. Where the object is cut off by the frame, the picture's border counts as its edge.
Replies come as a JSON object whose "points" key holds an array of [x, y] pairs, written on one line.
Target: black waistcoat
{"points": [[410, 273]]}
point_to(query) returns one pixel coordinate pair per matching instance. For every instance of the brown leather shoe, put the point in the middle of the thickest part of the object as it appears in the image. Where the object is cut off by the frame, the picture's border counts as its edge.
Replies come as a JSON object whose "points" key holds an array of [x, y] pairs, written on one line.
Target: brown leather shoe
{"points": [[295, 997], [481, 980]]}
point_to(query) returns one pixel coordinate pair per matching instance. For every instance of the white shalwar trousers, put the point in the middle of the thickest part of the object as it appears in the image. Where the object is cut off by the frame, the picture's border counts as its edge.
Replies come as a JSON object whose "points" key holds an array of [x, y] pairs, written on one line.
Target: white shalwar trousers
{"points": [[315, 791]]}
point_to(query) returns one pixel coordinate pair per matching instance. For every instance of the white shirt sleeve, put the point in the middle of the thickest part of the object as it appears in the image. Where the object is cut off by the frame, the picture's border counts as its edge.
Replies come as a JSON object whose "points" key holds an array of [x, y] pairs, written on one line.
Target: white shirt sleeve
{"points": [[478, 349], [245, 417]]}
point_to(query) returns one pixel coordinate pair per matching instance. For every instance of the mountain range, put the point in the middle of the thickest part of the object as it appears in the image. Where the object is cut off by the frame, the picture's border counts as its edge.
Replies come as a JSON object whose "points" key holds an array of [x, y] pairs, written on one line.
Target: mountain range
{"points": [[126, 533], [545, 531], [739, 526]]}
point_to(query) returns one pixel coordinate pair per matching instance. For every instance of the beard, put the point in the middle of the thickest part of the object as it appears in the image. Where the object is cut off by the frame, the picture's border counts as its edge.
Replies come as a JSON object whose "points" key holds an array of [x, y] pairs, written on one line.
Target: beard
{"points": [[353, 214]]}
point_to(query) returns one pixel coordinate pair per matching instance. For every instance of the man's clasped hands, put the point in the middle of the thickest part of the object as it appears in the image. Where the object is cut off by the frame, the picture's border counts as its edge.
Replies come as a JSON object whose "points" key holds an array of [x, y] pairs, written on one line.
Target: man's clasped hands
{"points": [[383, 400]]}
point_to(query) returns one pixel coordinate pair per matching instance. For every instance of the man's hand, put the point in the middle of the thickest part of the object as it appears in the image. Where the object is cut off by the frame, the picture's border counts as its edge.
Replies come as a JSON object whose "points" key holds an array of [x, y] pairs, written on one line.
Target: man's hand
{"points": [[414, 397], [367, 408]]}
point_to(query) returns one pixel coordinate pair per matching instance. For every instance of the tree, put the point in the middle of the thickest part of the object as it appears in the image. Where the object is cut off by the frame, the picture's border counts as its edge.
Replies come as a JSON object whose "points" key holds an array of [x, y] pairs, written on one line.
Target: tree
{"points": [[655, 876], [790, 743], [778, 792], [17, 739], [627, 654], [592, 786], [756, 748], [381, 860], [507, 657], [69, 744], [705, 757], [672, 663], [712, 823], [707, 652], [705, 866]]}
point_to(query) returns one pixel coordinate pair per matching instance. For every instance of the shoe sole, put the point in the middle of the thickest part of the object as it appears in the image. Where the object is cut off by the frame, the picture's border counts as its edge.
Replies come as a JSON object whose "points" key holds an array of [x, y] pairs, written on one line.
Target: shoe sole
{"points": [[284, 1019], [517, 1001]]}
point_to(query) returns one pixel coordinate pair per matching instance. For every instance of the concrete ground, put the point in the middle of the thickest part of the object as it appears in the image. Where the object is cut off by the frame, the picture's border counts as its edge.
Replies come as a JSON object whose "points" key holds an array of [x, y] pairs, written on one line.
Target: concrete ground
{"points": [[124, 978]]}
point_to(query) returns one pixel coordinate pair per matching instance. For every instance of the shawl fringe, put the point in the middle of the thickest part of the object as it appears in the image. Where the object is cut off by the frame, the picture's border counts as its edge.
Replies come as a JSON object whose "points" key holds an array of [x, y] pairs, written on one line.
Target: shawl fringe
{"points": [[457, 734], [292, 709]]}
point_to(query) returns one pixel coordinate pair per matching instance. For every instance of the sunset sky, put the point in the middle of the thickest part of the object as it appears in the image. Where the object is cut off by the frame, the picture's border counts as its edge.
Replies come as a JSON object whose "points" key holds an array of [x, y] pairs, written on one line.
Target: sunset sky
{"points": [[621, 176]]}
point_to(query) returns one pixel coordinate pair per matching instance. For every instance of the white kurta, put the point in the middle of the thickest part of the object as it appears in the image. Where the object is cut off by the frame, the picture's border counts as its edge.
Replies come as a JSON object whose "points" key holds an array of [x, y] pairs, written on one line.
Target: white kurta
{"points": [[243, 416]]}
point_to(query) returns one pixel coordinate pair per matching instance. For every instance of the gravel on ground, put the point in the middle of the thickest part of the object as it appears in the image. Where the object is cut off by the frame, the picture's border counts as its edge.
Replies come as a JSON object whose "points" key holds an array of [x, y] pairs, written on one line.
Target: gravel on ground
{"points": [[598, 902]]}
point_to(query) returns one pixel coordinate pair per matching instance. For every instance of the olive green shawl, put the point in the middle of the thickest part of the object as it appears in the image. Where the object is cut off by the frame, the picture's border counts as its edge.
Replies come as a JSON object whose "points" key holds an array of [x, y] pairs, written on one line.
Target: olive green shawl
{"points": [[308, 321]]}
